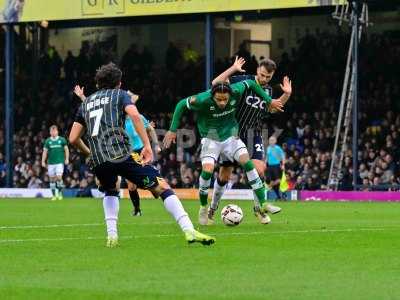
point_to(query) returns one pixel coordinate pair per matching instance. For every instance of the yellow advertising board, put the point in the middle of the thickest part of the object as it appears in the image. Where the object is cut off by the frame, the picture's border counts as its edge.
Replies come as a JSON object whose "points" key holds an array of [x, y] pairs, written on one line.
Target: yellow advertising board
{"points": [[37, 10]]}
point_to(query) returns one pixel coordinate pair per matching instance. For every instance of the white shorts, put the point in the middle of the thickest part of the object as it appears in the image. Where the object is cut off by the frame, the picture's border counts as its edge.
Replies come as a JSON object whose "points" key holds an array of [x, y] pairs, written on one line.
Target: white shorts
{"points": [[55, 170], [230, 149]]}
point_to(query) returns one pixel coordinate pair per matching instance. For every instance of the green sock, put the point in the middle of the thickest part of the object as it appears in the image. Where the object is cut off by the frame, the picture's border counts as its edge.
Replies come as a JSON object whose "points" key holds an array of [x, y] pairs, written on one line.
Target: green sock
{"points": [[204, 185], [254, 181]]}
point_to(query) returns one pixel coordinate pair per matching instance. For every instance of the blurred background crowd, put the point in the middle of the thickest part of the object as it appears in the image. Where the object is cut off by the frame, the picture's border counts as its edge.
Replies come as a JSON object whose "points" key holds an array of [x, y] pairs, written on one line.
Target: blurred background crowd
{"points": [[306, 129]]}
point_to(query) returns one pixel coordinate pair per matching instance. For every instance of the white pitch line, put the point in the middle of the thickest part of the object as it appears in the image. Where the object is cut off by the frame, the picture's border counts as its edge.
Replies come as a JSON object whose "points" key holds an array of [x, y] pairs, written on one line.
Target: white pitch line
{"points": [[4, 241], [79, 225], [50, 226], [123, 223]]}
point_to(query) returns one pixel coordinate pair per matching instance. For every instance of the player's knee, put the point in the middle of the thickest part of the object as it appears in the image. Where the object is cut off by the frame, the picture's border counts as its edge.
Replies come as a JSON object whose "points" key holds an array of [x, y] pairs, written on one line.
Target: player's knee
{"points": [[242, 156], [161, 187], [167, 193], [208, 167], [163, 193]]}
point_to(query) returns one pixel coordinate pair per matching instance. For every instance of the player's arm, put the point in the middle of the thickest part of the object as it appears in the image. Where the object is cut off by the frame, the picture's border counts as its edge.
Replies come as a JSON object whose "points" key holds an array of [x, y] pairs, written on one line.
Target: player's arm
{"points": [[130, 109], [181, 107], [283, 159], [133, 113], [236, 67], [77, 130], [286, 87], [75, 139], [255, 87], [195, 103], [79, 91], [66, 152], [44, 156], [153, 136]]}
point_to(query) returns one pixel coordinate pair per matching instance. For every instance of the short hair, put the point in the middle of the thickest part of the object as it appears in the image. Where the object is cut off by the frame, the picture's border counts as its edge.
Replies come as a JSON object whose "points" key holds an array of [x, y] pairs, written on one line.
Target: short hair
{"points": [[268, 64], [221, 87], [53, 127], [108, 76]]}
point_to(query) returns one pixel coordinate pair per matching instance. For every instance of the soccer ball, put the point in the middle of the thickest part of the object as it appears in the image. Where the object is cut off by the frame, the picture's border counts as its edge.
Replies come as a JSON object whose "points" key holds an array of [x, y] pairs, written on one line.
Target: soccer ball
{"points": [[231, 215]]}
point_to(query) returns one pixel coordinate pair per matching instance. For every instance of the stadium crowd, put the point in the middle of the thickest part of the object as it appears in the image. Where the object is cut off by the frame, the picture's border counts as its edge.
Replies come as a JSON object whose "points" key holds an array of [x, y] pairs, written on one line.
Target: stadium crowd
{"points": [[306, 129]]}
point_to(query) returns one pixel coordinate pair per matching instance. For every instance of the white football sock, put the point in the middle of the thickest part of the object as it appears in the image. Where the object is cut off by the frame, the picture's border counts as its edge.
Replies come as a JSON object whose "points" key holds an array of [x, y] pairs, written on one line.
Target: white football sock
{"points": [[217, 194], [111, 208], [175, 208]]}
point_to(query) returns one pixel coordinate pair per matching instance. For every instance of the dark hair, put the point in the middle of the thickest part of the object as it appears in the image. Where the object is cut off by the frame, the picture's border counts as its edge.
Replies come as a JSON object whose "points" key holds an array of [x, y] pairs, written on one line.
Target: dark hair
{"points": [[108, 76], [268, 64], [53, 127], [221, 87]]}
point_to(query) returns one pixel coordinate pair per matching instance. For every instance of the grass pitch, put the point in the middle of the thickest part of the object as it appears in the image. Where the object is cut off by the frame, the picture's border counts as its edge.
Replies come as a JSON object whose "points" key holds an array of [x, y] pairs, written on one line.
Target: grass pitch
{"points": [[56, 250]]}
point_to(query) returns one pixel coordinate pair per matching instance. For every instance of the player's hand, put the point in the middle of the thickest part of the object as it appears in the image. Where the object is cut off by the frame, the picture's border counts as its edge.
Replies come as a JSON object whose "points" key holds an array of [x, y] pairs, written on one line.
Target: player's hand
{"points": [[147, 155], [79, 91], [133, 96], [286, 85], [43, 164], [276, 105], [157, 148], [238, 64], [169, 138]]}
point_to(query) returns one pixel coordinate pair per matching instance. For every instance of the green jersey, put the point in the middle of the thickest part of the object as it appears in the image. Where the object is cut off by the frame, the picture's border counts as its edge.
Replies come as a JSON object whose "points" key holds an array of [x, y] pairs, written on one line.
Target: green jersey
{"points": [[55, 148], [213, 122]]}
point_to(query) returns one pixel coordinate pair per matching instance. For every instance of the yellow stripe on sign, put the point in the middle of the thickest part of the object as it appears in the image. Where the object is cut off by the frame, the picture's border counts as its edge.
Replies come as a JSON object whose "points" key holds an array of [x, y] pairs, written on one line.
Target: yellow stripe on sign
{"points": [[37, 10]]}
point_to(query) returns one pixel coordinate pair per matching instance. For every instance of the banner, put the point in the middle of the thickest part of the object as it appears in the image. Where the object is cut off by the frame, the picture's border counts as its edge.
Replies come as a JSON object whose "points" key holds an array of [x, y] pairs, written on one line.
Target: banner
{"points": [[37, 10], [353, 196], [25, 193]]}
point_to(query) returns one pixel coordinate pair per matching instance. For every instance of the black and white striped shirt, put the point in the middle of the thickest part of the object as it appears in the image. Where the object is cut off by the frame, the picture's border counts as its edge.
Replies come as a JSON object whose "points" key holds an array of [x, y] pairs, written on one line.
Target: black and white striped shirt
{"points": [[251, 110], [103, 115]]}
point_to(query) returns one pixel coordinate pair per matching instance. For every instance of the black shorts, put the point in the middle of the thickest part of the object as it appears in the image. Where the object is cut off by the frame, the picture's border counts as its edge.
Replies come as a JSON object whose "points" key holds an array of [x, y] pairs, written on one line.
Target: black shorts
{"points": [[257, 152], [144, 177], [274, 172]]}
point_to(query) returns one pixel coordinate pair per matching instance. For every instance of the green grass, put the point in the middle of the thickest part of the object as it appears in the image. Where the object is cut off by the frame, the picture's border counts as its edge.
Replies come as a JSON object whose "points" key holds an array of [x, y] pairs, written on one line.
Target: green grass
{"points": [[310, 251]]}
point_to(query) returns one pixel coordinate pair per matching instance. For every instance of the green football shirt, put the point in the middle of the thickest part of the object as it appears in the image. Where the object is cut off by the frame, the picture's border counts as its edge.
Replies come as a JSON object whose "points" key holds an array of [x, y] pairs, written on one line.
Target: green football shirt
{"points": [[213, 122], [55, 148]]}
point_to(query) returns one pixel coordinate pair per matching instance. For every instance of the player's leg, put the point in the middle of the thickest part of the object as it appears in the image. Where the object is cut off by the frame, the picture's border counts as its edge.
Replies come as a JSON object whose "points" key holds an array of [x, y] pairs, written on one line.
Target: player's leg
{"points": [[108, 181], [60, 182], [261, 167], [219, 188], [210, 152], [237, 150], [134, 196], [148, 177], [51, 170], [258, 158]]}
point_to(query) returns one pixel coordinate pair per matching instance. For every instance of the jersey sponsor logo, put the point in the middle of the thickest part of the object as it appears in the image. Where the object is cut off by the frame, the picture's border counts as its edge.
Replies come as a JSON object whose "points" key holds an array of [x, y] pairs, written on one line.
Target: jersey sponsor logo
{"points": [[212, 107], [224, 113], [233, 102], [255, 102]]}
